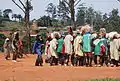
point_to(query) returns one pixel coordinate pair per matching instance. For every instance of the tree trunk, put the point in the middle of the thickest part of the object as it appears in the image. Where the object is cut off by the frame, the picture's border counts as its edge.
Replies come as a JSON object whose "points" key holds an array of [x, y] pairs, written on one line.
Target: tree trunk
{"points": [[28, 27], [72, 11]]}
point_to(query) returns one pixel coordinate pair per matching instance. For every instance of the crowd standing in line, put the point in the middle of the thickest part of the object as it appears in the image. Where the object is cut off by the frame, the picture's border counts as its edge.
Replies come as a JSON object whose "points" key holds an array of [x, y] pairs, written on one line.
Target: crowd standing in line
{"points": [[83, 48]]}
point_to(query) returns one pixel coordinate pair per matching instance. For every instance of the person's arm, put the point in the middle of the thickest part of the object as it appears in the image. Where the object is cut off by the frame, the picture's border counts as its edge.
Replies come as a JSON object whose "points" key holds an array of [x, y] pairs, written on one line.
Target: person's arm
{"points": [[34, 46]]}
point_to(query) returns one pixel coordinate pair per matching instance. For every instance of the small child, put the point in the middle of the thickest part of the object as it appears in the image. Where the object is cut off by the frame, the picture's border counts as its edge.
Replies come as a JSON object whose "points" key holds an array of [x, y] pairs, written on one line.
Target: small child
{"points": [[78, 50], [7, 48]]}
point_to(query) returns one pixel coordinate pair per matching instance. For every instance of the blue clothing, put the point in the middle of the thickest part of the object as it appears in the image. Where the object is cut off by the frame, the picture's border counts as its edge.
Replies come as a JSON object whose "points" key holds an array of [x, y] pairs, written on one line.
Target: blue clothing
{"points": [[37, 47]]}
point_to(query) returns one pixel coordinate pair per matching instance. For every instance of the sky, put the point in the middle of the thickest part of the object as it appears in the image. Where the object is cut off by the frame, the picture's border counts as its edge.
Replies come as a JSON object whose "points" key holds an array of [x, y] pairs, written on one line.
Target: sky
{"points": [[39, 6]]}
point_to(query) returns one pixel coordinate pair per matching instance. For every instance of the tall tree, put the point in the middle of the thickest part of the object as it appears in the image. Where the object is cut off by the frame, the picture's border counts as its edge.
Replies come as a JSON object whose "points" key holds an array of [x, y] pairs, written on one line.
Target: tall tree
{"points": [[114, 21], [97, 21], [44, 21], [0, 13], [63, 12], [51, 10], [14, 16], [90, 16], [80, 17], [19, 16], [72, 4], [26, 8], [6, 13]]}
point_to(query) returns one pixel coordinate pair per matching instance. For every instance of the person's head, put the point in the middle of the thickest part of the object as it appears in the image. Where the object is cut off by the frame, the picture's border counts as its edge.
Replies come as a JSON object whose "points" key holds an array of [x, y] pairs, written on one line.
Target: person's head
{"points": [[70, 31], [16, 35], [38, 37]]}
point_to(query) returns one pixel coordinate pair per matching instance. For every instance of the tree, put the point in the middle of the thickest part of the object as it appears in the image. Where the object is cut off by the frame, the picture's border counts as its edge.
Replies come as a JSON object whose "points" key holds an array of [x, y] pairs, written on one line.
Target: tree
{"points": [[72, 4], [44, 21], [80, 17], [0, 13], [19, 16], [6, 13], [14, 16], [90, 16], [97, 21], [26, 8], [1, 17], [51, 10], [113, 21], [63, 12]]}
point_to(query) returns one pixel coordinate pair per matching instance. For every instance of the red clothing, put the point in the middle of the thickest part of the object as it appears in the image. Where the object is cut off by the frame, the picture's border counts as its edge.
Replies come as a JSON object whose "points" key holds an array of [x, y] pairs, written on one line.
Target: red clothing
{"points": [[20, 45], [63, 49]]}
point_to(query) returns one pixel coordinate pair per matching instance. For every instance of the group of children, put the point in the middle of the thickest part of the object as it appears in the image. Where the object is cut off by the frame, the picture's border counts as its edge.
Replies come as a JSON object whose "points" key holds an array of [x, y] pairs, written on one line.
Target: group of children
{"points": [[82, 48], [13, 44]]}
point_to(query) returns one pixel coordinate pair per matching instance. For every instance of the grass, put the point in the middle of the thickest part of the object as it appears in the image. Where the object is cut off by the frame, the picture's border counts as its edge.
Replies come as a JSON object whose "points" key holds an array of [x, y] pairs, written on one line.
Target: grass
{"points": [[105, 79]]}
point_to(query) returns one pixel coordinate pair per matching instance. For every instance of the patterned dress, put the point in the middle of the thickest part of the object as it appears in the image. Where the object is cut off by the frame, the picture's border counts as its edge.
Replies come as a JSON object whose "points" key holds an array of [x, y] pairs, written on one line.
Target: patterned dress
{"points": [[53, 47], [77, 46], [68, 44]]}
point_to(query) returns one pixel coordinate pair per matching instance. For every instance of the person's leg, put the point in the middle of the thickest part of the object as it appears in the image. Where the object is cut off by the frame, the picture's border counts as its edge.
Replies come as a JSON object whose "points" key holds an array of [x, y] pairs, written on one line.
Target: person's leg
{"points": [[76, 60], [51, 60], [82, 60], [56, 61], [102, 60], [90, 59], [15, 55], [62, 59], [106, 60], [95, 60], [37, 61], [116, 63], [67, 59], [72, 59], [41, 60], [86, 59]]}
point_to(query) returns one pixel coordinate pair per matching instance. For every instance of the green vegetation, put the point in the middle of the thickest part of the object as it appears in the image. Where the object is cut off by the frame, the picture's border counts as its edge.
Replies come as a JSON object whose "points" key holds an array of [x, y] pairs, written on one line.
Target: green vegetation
{"points": [[2, 38], [105, 79]]}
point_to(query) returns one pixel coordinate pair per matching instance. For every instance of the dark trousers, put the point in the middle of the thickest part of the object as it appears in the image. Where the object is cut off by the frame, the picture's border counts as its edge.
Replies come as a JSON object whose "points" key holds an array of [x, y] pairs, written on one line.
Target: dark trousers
{"points": [[102, 59], [115, 62], [39, 61], [61, 58], [53, 60], [15, 55], [88, 58], [73, 59], [79, 60]]}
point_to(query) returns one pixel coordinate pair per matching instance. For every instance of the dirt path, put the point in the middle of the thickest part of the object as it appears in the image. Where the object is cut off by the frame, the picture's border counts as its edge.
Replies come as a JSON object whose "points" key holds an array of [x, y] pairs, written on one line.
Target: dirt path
{"points": [[24, 70]]}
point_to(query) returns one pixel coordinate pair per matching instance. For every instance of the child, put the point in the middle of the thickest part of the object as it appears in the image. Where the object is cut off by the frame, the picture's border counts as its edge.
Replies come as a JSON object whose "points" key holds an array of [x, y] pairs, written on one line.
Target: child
{"points": [[97, 44], [37, 49], [114, 50], [15, 46], [78, 50], [20, 48], [87, 38], [60, 49], [68, 46], [47, 50], [53, 49], [7, 48]]}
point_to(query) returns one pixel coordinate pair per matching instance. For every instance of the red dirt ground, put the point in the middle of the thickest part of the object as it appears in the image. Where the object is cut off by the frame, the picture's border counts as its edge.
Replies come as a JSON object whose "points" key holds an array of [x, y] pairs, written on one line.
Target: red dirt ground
{"points": [[24, 70]]}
